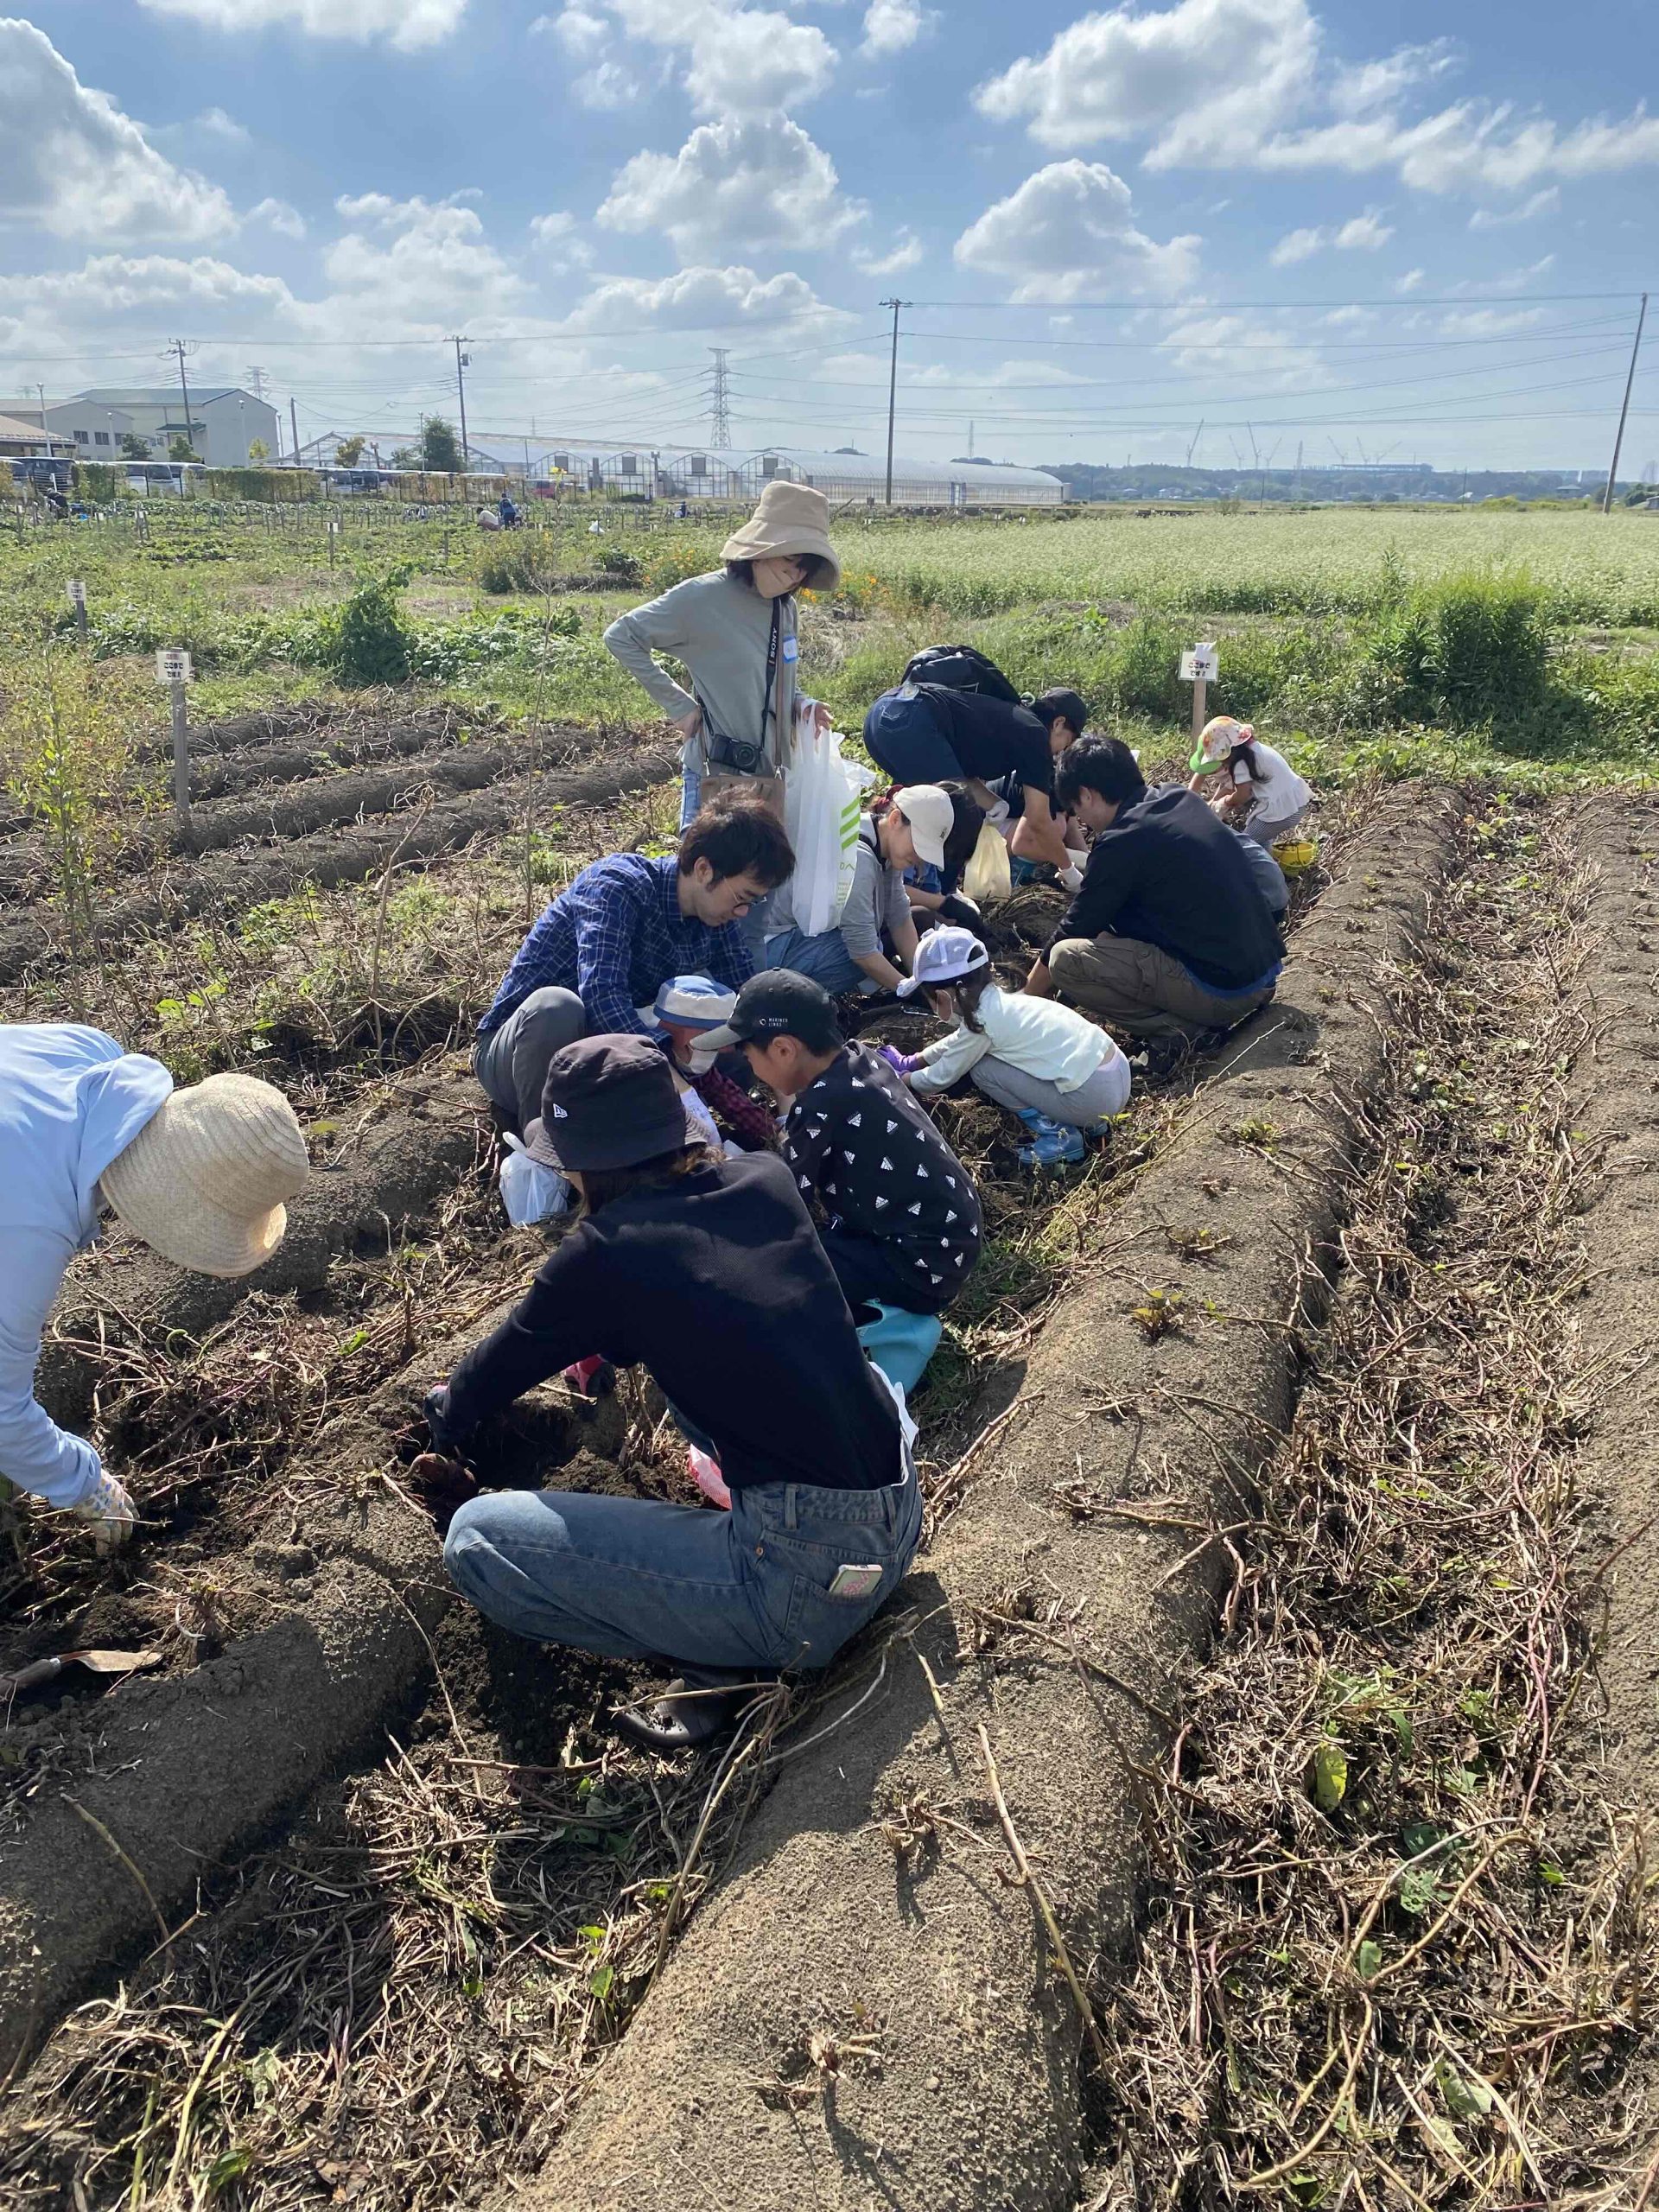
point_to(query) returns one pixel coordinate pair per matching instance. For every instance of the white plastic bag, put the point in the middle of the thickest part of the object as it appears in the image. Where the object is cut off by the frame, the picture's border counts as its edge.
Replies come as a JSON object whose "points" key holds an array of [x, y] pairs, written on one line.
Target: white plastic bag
{"points": [[529, 1191], [821, 811], [989, 877]]}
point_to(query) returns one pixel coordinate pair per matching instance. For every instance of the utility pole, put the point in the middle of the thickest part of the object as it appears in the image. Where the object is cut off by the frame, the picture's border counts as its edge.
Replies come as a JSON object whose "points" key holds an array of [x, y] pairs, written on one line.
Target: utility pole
{"points": [[1613, 474], [720, 409], [893, 387], [294, 425], [178, 348], [463, 361]]}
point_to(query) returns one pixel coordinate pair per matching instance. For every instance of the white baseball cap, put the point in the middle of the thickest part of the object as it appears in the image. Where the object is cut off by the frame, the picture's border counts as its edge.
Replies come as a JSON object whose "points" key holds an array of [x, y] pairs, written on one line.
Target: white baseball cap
{"points": [[945, 954], [931, 818]]}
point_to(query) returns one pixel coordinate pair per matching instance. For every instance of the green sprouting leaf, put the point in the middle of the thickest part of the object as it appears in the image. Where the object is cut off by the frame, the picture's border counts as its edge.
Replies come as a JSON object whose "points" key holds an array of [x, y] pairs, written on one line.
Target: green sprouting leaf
{"points": [[355, 1342], [1368, 1959], [228, 2166], [1553, 1875], [1404, 1732], [1419, 1836], [1419, 1891], [1330, 1776], [1467, 2096], [600, 1980]]}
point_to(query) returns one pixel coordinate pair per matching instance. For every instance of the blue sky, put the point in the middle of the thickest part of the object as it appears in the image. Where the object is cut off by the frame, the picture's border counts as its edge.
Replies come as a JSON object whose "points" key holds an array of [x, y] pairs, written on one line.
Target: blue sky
{"points": [[1262, 217]]}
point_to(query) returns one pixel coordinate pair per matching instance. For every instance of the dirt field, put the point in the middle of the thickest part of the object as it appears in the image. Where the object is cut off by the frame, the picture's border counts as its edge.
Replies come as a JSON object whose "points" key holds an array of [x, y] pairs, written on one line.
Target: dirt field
{"points": [[1243, 1800]]}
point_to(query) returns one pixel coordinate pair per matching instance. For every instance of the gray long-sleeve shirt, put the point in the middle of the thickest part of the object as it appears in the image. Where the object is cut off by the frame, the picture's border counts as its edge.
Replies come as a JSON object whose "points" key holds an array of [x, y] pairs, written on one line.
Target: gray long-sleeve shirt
{"points": [[721, 630]]}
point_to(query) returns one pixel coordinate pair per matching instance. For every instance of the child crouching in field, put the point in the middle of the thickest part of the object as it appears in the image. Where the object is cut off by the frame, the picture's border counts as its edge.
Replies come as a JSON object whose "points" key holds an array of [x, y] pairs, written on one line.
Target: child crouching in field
{"points": [[1061, 1075]]}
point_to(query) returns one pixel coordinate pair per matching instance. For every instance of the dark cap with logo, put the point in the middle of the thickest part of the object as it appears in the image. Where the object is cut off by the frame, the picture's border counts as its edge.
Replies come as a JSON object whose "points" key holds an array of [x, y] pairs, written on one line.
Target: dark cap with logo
{"points": [[608, 1101], [781, 1003]]}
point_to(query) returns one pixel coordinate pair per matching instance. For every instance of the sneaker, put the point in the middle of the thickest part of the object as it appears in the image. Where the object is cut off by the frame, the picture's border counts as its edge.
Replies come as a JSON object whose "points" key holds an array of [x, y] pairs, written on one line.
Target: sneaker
{"points": [[1054, 1144]]}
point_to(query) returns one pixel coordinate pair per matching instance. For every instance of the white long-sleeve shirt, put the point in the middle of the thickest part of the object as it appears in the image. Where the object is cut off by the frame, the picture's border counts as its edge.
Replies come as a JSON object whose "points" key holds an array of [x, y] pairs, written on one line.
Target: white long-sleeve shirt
{"points": [[1040, 1037], [70, 1100]]}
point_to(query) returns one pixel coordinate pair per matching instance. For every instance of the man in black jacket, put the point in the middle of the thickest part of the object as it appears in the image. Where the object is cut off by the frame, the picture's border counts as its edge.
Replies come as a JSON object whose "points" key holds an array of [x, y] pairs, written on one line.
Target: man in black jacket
{"points": [[1169, 937], [974, 738]]}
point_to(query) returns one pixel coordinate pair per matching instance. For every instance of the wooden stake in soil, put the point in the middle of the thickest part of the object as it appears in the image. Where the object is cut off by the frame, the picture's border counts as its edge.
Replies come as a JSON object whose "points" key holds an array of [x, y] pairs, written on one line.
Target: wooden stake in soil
{"points": [[76, 591]]}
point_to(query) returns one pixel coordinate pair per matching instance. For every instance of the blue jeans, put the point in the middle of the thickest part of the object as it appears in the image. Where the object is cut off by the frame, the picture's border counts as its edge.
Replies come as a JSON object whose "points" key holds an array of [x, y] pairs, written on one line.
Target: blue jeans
{"points": [[824, 958], [631, 1579]]}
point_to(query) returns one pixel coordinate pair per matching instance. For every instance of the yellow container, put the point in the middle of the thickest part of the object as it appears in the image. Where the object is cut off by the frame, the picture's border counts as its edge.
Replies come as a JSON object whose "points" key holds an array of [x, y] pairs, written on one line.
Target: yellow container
{"points": [[1297, 854]]}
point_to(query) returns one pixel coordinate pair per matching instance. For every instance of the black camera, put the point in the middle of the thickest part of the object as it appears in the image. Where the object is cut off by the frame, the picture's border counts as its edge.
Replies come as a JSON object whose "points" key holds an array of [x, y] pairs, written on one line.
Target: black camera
{"points": [[737, 754]]}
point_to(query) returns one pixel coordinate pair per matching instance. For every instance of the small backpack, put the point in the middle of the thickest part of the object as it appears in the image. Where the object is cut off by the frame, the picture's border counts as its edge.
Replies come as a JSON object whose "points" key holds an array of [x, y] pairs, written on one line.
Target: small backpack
{"points": [[960, 667]]}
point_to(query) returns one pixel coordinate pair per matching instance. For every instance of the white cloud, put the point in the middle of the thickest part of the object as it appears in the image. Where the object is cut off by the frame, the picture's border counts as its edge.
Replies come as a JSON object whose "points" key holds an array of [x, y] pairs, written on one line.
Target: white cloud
{"points": [[704, 299], [1540, 203], [1361, 233], [1199, 78], [1468, 147], [891, 26], [1413, 280], [409, 24], [431, 264], [608, 86], [72, 163], [578, 30], [904, 253], [286, 221], [1068, 232], [1373, 85], [1203, 344], [739, 60], [559, 247], [218, 125], [736, 186]]}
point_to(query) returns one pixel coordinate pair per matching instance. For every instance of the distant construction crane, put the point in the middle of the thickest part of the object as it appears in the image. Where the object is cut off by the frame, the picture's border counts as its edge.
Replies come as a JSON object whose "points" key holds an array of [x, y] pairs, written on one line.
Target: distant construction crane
{"points": [[720, 407]]}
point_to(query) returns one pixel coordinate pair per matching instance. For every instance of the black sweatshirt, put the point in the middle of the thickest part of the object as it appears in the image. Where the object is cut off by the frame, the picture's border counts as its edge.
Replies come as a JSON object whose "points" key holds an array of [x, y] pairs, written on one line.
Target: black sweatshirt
{"points": [[1168, 873], [860, 1143], [717, 1285]]}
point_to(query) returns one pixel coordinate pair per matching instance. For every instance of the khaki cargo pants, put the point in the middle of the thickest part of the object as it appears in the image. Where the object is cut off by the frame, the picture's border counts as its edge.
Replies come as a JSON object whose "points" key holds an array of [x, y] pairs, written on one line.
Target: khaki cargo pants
{"points": [[1136, 988]]}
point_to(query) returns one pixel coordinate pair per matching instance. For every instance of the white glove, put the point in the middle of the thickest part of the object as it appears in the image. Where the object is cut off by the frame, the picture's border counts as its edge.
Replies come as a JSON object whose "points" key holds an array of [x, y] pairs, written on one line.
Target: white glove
{"points": [[1072, 879], [111, 1513], [1078, 855], [997, 812]]}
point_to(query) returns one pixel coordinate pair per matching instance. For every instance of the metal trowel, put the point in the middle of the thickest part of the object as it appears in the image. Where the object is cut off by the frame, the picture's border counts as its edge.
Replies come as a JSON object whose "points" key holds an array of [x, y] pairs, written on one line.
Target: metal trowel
{"points": [[96, 1663]]}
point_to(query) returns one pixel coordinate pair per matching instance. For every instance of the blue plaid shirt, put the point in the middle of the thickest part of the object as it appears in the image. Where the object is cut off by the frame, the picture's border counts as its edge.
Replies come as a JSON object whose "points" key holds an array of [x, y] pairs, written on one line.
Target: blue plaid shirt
{"points": [[613, 937]]}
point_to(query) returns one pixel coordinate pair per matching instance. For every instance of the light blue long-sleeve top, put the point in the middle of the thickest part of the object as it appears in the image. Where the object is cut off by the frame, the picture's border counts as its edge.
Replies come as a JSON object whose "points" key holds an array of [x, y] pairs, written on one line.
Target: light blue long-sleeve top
{"points": [[70, 1100]]}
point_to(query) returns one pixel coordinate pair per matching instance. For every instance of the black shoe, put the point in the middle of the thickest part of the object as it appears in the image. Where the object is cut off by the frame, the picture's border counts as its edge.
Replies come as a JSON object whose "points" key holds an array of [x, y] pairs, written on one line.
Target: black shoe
{"points": [[693, 1711]]}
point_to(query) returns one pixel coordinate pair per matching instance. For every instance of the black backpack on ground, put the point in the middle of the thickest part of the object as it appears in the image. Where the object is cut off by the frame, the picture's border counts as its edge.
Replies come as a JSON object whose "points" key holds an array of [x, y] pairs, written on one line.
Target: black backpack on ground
{"points": [[960, 667]]}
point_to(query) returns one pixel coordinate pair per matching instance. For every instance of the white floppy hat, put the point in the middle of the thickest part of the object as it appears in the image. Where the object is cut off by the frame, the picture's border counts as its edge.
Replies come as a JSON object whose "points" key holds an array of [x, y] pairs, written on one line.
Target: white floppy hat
{"points": [[205, 1179], [790, 519], [931, 818]]}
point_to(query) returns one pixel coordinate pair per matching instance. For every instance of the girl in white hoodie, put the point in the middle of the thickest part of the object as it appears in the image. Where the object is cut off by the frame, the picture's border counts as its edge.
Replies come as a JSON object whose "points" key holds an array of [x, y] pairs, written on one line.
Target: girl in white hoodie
{"points": [[1050, 1064]]}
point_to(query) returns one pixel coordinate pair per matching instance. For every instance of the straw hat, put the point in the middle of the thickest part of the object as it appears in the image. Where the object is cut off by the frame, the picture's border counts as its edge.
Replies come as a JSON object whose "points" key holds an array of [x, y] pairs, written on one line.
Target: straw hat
{"points": [[791, 519], [204, 1180]]}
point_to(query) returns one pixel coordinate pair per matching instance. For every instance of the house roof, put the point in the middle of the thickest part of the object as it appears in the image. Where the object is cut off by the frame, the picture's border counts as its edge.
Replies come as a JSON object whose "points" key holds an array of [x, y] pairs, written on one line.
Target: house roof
{"points": [[157, 396], [12, 432]]}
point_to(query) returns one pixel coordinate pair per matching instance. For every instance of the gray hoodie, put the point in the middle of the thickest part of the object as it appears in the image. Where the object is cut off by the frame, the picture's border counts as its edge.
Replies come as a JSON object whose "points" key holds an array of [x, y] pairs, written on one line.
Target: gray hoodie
{"points": [[720, 629]]}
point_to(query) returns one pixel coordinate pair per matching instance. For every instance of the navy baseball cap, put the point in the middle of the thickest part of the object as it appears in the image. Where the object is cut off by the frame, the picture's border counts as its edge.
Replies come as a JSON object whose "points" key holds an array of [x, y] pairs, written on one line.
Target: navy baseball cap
{"points": [[779, 1003]]}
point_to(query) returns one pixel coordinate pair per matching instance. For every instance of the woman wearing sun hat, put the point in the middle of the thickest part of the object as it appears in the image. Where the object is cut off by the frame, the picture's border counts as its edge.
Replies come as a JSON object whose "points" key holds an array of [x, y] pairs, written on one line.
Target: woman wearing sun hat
{"points": [[201, 1175], [734, 630], [707, 1272]]}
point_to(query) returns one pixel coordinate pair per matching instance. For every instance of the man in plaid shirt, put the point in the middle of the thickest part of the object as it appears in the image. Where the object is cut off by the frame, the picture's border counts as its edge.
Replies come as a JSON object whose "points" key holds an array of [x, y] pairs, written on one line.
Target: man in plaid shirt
{"points": [[600, 950]]}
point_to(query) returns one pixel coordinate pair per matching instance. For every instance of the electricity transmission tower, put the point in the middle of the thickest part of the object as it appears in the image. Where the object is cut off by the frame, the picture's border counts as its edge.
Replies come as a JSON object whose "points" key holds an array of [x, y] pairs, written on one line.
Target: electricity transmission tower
{"points": [[720, 408], [256, 377]]}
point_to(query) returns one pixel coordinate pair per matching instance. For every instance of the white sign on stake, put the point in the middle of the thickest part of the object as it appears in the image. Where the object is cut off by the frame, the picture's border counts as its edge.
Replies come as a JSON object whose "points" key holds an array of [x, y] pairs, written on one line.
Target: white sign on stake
{"points": [[77, 592], [1201, 665], [172, 666]]}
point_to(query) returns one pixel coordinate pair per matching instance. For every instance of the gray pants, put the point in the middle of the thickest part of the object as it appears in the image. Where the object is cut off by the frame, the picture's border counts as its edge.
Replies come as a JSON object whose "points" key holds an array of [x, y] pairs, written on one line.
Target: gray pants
{"points": [[1268, 833], [511, 1061], [1106, 1093]]}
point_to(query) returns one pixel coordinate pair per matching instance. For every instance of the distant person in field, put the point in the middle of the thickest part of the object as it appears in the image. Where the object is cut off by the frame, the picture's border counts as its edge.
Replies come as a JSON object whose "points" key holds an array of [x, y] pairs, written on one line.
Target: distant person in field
{"points": [[735, 632], [200, 1175], [594, 962], [1257, 789], [924, 733], [707, 1274], [507, 511], [1169, 937]]}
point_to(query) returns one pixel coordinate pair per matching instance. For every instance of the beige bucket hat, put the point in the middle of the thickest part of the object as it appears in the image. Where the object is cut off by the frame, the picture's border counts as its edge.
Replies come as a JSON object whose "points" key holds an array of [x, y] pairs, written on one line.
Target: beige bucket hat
{"points": [[205, 1180], [791, 519]]}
